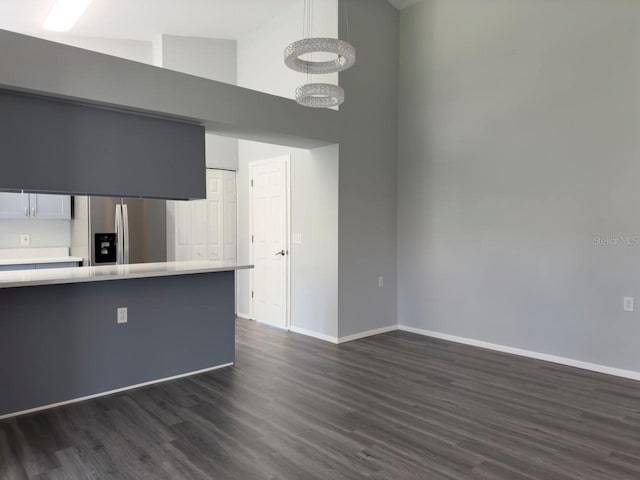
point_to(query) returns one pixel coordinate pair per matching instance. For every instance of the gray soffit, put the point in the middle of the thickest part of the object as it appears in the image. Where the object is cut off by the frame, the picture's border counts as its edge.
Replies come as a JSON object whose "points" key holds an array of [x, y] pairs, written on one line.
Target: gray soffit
{"points": [[42, 67], [402, 4], [60, 147]]}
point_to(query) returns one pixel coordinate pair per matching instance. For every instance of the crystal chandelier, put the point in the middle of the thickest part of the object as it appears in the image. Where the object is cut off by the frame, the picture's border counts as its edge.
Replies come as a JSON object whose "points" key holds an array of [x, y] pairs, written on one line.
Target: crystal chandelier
{"points": [[345, 55], [319, 95], [299, 57]]}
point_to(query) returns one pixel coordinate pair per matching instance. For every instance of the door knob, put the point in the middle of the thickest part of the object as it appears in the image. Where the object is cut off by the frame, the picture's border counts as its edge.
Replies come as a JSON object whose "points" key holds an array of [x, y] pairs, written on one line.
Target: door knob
{"points": [[282, 253]]}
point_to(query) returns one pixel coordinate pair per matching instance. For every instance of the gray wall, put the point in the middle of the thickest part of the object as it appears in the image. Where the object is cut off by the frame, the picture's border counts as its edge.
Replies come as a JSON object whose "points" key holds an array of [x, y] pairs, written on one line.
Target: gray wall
{"points": [[44, 233], [518, 145], [66, 344], [367, 165], [38, 66], [260, 53], [207, 58], [314, 178], [314, 262], [365, 127], [210, 58], [314, 213], [136, 50], [368, 158]]}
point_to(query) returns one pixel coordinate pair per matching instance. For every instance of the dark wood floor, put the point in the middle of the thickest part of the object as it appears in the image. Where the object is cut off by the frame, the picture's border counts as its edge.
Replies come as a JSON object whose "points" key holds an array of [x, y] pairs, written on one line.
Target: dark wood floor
{"points": [[396, 406]]}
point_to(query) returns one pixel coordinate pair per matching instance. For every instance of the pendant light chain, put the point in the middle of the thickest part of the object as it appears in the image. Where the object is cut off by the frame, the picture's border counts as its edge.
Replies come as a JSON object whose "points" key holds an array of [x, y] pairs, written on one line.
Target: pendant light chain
{"points": [[346, 19], [310, 36]]}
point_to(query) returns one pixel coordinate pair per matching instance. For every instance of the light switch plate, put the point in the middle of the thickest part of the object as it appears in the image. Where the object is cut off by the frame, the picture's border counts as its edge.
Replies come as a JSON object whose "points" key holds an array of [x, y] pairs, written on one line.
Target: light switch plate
{"points": [[122, 315], [25, 239], [296, 238], [627, 304]]}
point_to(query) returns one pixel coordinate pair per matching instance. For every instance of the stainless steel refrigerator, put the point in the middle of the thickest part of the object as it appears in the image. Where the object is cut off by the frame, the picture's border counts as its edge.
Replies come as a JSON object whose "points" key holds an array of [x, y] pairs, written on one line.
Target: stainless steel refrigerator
{"points": [[125, 230]]}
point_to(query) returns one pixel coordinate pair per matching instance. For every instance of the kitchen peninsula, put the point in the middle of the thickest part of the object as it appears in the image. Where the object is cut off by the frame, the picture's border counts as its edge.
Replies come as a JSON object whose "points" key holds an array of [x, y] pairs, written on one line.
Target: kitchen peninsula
{"points": [[64, 337]]}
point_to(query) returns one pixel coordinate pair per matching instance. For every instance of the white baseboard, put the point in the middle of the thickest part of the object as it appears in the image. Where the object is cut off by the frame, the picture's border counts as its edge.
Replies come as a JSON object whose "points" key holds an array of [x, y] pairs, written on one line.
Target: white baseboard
{"points": [[348, 338], [248, 317], [368, 333], [111, 392], [270, 325], [311, 333], [570, 362], [618, 372]]}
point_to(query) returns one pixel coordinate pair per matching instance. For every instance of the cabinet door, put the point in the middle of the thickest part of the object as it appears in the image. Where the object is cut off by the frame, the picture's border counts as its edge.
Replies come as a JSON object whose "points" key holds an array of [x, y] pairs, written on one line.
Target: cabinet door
{"points": [[11, 268], [50, 207], [14, 205], [48, 266]]}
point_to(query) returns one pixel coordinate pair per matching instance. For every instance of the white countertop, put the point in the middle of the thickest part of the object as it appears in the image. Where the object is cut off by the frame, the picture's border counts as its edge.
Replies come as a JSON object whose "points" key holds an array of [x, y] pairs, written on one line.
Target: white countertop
{"points": [[58, 276], [26, 256]]}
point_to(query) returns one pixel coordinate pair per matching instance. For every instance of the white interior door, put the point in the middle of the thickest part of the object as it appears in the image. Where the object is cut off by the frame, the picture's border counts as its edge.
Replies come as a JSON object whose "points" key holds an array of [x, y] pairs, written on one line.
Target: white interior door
{"points": [[230, 217], [199, 230], [205, 229], [270, 249], [183, 230], [214, 216]]}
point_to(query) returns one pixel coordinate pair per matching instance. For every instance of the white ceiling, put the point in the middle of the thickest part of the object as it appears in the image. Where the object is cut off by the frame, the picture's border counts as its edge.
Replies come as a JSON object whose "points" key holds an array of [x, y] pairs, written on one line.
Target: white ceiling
{"points": [[144, 19]]}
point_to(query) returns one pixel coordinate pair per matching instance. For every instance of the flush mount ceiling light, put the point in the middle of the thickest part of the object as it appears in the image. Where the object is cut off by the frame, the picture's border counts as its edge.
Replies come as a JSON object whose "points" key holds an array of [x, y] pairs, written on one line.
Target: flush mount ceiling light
{"points": [[344, 51], [64, 14], [320, 95]]}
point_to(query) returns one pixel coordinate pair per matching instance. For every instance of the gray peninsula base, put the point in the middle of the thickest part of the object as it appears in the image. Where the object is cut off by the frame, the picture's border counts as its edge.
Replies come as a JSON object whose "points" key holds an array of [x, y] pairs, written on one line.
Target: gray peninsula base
{"points": [[63, 342]]}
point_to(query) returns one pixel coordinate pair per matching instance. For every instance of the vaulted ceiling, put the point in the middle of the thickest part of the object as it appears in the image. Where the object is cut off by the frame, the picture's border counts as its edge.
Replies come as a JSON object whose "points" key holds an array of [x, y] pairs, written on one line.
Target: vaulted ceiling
{"points": [[144, 19]]}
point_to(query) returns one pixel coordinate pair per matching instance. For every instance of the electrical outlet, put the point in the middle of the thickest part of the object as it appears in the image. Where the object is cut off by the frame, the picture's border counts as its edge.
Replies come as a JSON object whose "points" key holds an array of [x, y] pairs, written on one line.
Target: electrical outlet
{"points": [[627, 304], [25, 239], [380, 282], [122, 315]]}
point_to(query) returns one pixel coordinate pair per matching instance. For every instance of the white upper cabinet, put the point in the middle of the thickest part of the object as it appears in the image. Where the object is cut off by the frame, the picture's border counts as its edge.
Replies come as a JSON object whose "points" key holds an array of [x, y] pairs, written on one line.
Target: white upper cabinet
{"points": [[35, 206], [50, 207], [14, 205]]}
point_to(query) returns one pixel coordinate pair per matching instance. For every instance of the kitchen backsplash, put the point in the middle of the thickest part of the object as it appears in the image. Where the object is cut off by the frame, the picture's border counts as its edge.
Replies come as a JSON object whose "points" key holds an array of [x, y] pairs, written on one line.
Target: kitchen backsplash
{"points": [[44, 233]]}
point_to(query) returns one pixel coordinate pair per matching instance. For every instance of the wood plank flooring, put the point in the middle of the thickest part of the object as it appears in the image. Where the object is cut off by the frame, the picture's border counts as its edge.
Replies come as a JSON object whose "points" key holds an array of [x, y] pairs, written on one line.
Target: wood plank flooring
{"points": [[392, 407]]}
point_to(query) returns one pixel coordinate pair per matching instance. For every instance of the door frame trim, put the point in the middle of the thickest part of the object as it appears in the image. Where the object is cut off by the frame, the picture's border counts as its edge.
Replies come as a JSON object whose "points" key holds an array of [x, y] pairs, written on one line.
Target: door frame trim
{"points": [[287, 162]]}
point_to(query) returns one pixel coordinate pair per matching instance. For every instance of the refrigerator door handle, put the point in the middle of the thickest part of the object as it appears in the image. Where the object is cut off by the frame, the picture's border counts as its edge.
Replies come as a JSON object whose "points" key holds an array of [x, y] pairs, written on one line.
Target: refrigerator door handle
{"points": [[125, 234], [119, 239]]}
